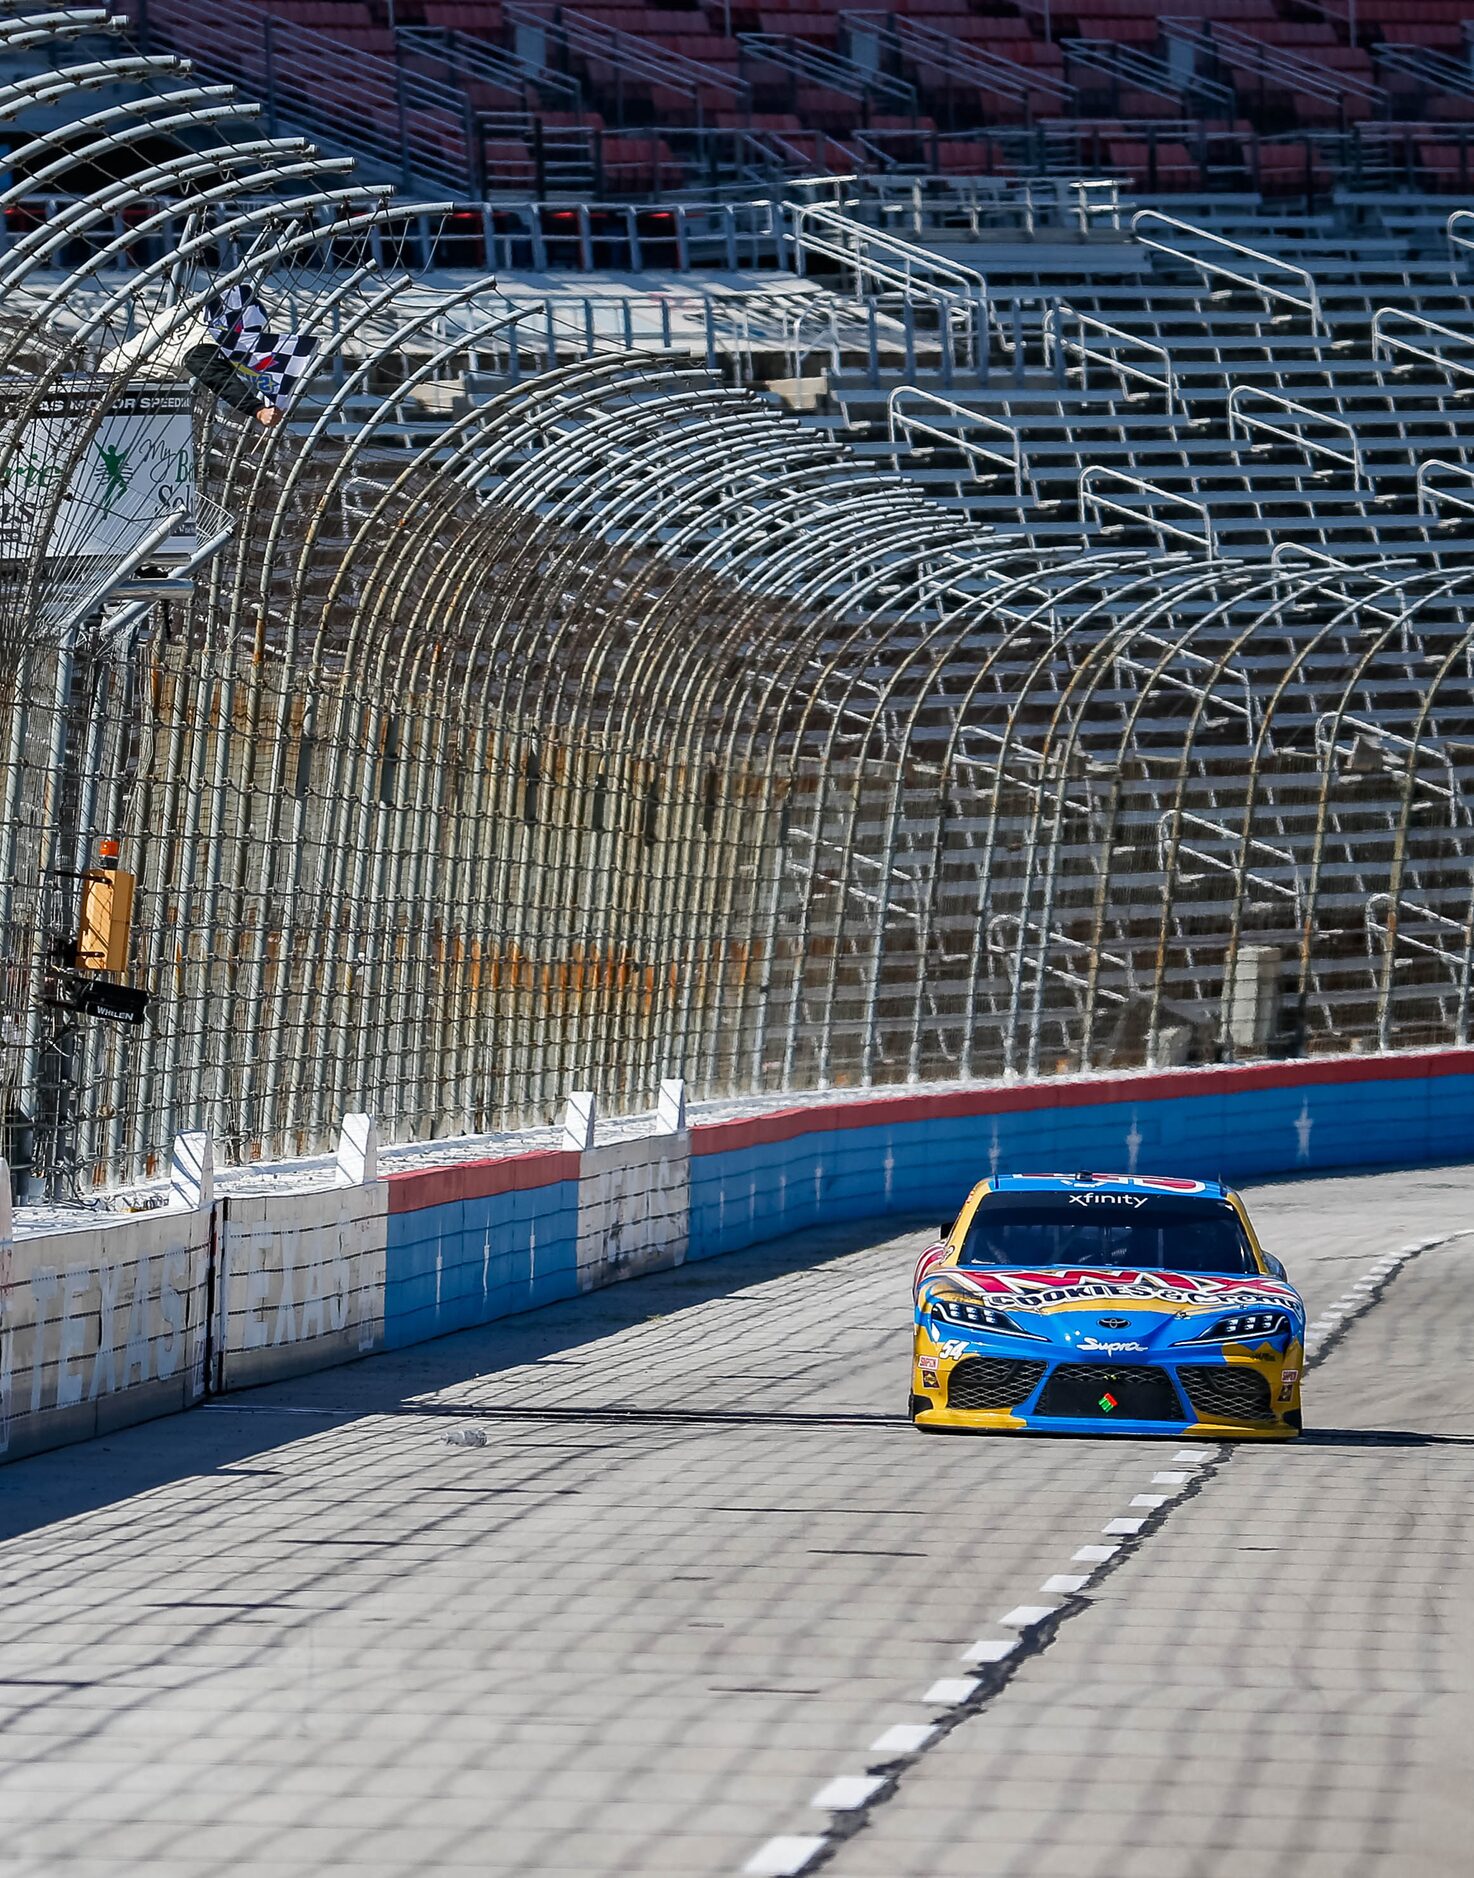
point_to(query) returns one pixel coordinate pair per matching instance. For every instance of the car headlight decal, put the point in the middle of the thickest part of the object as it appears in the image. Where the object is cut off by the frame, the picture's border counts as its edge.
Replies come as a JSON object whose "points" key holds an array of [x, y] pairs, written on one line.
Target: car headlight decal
{"points": [[978, 1316], [1245, 1327]]}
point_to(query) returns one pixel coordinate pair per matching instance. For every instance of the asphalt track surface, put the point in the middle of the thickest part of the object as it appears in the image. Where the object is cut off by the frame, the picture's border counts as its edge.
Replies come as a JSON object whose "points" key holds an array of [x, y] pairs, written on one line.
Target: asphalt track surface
{"points": [[703, 1563]]}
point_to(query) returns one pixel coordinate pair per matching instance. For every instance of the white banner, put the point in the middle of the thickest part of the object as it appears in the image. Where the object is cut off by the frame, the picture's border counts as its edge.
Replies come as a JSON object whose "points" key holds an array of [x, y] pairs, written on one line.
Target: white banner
{"points": [[135, 466]]}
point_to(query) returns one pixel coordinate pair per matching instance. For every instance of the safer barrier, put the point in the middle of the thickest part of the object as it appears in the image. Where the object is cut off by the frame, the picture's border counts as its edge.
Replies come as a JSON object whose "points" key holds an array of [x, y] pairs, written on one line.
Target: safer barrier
{"points": [[759, 1178], [114, 1322]]}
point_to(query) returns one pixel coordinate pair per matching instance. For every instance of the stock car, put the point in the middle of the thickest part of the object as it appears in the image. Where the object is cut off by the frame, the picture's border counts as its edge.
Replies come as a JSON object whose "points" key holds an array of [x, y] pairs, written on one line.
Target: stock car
{"points": [[1082, 1303]]}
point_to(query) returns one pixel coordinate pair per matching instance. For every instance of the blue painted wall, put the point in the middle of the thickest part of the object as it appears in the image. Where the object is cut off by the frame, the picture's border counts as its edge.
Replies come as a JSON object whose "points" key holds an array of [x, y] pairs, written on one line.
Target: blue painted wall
{"points": [[466, 1262], [745, 1195]]}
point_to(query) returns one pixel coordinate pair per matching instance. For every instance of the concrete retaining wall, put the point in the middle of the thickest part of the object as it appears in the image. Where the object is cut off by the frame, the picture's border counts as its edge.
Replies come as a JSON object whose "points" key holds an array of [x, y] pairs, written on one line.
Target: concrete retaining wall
{"points": [[301, 1283], [101, 1325], [634, 1208], [116, 1321]]}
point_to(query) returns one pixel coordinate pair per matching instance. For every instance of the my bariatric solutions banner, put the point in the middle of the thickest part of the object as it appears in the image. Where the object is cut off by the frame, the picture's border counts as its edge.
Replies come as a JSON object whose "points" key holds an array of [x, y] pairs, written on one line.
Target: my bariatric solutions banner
{"points": [[79, 486]]}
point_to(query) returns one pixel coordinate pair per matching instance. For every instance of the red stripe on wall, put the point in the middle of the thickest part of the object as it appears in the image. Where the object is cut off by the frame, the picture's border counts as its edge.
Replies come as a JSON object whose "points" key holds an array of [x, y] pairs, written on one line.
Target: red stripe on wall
{"points": [[1069, 1092], [480, 1180]]}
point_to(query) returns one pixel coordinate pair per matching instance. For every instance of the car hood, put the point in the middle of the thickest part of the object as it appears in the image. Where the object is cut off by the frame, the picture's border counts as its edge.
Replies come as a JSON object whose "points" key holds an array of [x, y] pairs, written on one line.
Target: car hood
{"points": [[1113, 1312]]}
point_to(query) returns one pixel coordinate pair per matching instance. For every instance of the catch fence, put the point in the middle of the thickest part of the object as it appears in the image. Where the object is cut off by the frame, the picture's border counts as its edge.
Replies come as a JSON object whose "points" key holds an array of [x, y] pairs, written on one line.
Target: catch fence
{"points": [[606, 723]]}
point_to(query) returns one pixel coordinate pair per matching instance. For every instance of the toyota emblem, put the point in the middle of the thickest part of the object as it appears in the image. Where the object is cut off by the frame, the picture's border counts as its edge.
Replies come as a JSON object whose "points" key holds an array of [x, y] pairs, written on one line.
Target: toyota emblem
{"points": [[1113, 1323]]}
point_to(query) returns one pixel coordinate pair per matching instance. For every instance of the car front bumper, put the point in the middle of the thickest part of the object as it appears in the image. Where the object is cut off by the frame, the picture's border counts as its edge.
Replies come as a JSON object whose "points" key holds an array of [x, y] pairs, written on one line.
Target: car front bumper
{"points": [[1246, 1394], [1004, 1421]]}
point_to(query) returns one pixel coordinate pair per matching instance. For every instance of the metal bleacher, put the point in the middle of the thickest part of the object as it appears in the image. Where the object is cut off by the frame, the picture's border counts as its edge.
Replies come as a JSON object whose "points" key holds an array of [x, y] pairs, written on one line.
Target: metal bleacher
{"points": [[1266, 94], [1217, 475], [1296, 407]]}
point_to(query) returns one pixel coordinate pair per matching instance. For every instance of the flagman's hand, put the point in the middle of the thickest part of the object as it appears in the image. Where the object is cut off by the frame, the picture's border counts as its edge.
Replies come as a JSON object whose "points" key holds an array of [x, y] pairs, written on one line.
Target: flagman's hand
{"points": [[268, 415]]}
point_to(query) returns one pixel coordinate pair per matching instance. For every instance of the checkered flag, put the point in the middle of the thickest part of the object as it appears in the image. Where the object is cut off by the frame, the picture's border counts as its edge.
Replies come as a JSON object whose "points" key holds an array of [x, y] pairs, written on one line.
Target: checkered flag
{"points": [[236, 320], [272, 363], [281, 364]]}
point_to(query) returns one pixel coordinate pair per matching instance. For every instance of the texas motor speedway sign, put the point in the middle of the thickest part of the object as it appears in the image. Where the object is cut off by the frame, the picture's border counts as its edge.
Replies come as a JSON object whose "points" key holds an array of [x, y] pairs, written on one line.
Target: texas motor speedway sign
{"points": [[88, 487]]}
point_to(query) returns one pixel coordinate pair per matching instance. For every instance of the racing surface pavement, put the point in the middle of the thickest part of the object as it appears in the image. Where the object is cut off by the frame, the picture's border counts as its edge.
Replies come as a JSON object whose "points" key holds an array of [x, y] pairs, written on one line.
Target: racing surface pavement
{"points": [[703, 1562]]}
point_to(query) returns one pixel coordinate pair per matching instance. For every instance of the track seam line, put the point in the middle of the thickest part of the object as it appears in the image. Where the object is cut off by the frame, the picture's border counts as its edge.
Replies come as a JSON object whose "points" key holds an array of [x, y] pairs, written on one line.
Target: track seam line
{"points": [[996, 1662]]}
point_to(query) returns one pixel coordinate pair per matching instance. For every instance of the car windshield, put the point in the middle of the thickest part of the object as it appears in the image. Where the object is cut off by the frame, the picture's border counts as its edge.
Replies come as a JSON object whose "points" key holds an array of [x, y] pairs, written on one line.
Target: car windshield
{"points": [[1140, 1231]]}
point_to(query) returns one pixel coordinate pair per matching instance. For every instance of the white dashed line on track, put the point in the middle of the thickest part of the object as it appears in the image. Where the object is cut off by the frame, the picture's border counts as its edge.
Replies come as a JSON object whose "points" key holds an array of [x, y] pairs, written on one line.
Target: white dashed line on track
{"points": [[785, 1856], [1026, 1616], [953, 1691], [904, 1738], [990, 1650], [847, 1791]]}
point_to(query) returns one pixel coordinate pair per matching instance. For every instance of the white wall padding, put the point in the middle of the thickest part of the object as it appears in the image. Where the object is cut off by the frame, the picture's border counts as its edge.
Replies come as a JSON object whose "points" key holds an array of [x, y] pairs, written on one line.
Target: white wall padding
{"points": [[101, 1326], [302, 1282], [634, 1208]]}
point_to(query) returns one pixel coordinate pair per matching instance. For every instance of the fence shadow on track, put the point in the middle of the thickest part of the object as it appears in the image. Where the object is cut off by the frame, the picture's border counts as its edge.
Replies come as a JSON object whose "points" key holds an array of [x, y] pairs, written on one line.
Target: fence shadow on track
{"points": [[1382, 1438], [672, 1417], [232, 1431]]}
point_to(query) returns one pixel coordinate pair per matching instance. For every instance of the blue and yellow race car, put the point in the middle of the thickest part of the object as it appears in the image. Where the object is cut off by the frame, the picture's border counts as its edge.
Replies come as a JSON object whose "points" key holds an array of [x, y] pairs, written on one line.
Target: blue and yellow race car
{"points": [[1077, 1303]]}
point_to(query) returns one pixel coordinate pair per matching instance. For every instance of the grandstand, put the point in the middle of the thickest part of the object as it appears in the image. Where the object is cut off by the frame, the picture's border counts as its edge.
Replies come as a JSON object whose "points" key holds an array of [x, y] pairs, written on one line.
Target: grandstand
{"points": [[1285, 97], [821, 548]]}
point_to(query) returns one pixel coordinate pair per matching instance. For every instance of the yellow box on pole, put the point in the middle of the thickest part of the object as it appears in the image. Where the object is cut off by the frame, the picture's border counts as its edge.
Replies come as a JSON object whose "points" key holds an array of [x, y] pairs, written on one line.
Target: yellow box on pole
{"points": [[107, 918]]}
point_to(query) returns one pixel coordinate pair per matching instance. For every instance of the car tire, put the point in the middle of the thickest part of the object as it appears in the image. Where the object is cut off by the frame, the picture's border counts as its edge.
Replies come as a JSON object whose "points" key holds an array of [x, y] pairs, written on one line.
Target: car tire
{"points": [[918, 1403]]}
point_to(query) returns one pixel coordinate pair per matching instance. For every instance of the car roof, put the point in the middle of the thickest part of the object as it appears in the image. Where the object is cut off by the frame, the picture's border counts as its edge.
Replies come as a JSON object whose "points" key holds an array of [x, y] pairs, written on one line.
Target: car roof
{"points": [[1165, 1184]]}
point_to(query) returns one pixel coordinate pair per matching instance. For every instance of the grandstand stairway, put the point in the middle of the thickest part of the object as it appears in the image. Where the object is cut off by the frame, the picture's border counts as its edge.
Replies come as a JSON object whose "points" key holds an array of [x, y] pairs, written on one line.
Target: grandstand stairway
{"points": [[1261, 491]]}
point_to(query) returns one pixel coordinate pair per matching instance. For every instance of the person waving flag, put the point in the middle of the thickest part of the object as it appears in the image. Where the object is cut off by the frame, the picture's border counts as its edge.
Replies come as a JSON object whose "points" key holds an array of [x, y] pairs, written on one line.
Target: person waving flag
{"points": [[244, 362]]}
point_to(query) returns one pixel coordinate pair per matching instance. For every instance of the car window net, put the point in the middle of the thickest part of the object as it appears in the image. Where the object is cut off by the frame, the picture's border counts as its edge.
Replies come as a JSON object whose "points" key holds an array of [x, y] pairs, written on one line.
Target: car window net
{"points": [[1143, 1233]]}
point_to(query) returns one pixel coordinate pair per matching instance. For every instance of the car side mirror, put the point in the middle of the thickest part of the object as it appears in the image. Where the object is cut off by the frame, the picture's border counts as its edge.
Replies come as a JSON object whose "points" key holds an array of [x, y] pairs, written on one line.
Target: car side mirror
{"points": [[944, 1231], [1276, 1268]]}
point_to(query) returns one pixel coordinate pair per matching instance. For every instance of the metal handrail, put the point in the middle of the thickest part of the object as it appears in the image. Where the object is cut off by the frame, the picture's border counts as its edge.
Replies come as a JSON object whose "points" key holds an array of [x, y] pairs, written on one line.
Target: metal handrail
{"points": [[641, 58], [1456, 240], [1088, 494], [1052, 335], [471, 57], [1144, 72], [1282, 550], [1239, 417], [1384, 927], [894, 416], [1384, 342], [1173, 819], [1310, 305], [1080, 188], [949, 277], [958, 62], [957, 294], [1431, 68], [958, 314], [1327, 746], [823, 67], [1425, 489], [352, 99], [1254, 55], [771, 144], [1009, 951]]}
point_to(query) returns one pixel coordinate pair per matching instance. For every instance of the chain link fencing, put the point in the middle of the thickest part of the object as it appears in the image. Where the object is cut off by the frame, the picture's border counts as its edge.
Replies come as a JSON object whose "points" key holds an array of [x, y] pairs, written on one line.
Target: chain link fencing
{"points": [[509, 729]]}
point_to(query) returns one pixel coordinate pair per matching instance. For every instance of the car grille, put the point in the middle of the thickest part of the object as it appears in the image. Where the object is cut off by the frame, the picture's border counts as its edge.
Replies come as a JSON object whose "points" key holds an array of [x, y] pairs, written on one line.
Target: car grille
{"points": [[1227, 1390], [1097, 1392], [992, 1382]]}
